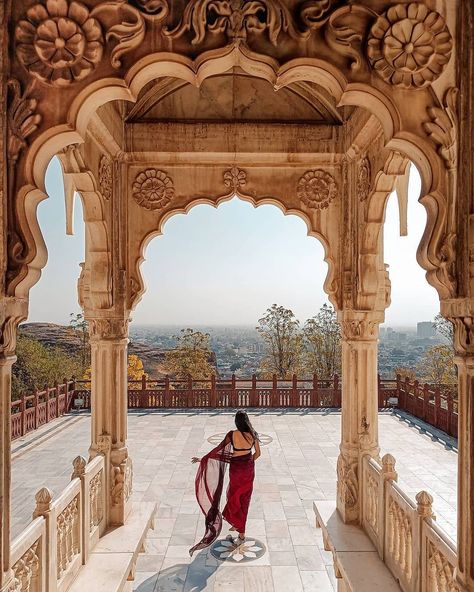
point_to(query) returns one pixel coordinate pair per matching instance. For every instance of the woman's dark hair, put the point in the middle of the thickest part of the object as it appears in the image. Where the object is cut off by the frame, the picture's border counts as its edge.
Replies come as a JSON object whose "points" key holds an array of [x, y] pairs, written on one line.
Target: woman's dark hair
{"points": [[242, 423]]}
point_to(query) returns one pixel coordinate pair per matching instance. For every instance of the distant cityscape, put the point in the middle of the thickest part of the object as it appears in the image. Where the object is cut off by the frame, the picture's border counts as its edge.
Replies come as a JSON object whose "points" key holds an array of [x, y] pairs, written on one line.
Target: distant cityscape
{"points": [[240, 350]]}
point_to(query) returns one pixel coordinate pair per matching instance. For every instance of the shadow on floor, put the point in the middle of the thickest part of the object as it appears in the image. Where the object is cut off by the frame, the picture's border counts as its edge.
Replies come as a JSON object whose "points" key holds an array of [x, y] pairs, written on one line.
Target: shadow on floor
{"points": [[193, 575]]}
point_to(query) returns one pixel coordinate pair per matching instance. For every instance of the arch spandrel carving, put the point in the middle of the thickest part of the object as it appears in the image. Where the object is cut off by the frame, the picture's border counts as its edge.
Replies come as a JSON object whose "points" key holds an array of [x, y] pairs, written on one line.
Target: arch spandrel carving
{"points": [[311, 47]]}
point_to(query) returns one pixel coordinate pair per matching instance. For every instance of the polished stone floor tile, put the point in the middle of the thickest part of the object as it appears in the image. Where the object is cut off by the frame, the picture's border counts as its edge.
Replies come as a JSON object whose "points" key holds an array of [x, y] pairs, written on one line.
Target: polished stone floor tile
{"points": [[297, 466]]}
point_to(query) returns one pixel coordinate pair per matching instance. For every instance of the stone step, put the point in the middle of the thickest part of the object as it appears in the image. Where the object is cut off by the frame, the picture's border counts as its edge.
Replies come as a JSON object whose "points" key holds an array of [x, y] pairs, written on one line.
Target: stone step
{"points": [[357, 564], [111, 566]]}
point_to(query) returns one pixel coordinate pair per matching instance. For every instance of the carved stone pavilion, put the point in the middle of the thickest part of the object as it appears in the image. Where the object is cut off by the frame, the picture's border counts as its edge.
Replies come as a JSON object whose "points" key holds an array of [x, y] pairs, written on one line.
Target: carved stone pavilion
{"points": [[316, 106]]}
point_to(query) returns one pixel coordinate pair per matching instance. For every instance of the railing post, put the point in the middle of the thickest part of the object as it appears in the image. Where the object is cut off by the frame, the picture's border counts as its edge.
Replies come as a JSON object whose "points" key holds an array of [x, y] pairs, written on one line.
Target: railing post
{"points": [[315, 399], [67, 397], [294, 392], [36, 409], [254, 402], [449, 401], [46, 397], [406, 394], [143, 394], [213, 401], [23, 415], [379, 391], [426, 401], [58, 392], [43, 508], [190, 393], [274, 391], [436, 407], [233, 394], [337, 391], [167, 391]]}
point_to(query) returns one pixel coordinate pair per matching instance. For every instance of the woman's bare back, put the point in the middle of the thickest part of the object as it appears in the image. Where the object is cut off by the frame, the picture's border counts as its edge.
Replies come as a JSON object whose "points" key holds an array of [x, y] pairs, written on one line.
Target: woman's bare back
{"points": [[242, 440]]}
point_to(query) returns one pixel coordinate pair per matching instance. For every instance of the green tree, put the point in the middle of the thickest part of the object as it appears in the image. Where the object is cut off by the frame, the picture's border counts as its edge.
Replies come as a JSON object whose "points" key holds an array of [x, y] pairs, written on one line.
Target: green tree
{"points": [[437, 366], [80, 327], [444, 327], [322, 341], [38, 365], [280, 330], [190, 358]]}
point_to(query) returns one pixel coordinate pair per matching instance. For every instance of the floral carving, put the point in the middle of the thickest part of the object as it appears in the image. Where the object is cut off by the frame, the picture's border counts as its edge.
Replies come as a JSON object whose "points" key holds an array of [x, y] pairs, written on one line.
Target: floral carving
{"points": [[157, 8], [235, 178], [26, 568], [316, 189], [22, 118], [59, 42], [153, 189], [235, 18], [409, 45], [363, 179], [122, 476], [313, 12], [347, 481], [105, 176], [443, 127]]}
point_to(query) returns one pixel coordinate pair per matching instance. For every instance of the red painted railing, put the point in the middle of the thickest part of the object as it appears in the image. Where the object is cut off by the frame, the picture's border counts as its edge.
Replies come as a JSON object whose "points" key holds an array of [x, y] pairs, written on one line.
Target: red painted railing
{"points": [[232, 392], [32, 411], [434, 405]]}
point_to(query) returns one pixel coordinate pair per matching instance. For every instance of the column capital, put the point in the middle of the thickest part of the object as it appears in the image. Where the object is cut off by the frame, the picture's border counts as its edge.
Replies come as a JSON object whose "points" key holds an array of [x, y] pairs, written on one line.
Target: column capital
{"points": [[12, 312], [359, 325], [108, 328]]}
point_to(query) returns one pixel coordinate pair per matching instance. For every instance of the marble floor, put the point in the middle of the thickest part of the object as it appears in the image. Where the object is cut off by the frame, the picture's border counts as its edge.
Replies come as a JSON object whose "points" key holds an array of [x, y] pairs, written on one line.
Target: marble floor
{"points": [[284, 551]]}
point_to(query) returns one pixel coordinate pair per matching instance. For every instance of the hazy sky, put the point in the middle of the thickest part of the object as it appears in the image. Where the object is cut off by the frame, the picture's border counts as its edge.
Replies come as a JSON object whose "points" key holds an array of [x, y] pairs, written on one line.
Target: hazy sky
{"points": [[227, 265]]}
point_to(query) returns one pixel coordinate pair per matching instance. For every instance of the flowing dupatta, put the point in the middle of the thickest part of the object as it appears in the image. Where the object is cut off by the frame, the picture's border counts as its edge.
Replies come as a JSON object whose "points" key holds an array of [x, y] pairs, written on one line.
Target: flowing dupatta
{"points": [[209, 485]]}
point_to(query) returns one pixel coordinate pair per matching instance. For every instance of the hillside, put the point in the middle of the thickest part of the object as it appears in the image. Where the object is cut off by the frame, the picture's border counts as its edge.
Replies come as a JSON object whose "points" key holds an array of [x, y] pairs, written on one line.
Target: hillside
{"points": [[52, 335]]}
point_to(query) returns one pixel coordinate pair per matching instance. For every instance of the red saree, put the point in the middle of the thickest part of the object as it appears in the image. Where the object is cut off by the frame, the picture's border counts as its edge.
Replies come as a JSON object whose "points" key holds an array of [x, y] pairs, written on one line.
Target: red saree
{"points": [[210, 483]]}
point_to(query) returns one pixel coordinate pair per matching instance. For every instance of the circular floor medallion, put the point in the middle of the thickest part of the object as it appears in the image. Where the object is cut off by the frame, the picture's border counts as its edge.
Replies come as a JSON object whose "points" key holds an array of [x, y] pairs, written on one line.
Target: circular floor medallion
{"points": [[265, 439], [229, 550]]}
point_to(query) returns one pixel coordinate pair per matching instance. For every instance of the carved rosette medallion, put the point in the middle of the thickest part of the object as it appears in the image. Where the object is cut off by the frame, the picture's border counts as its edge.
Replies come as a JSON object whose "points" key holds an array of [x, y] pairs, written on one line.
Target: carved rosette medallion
{"points": [[153, 189], [235, 178], [59, 42], [316, 189], [409, 45], [105, 176], [363, 179]]}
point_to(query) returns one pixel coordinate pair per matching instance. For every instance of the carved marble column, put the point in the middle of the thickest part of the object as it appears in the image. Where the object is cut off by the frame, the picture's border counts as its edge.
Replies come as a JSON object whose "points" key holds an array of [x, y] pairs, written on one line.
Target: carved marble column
{"points": [[359, 435], [109, 338], [6, 363], [464, 344]]}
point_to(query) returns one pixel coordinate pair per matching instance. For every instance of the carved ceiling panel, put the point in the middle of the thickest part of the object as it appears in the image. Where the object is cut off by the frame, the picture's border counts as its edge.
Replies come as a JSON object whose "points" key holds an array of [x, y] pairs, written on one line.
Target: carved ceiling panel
{"points": [[234, 97]]}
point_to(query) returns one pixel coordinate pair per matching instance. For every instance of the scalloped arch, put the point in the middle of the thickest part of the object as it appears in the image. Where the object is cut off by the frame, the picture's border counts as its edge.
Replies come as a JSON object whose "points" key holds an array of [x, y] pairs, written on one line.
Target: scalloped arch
{"points": [[330, 283]]}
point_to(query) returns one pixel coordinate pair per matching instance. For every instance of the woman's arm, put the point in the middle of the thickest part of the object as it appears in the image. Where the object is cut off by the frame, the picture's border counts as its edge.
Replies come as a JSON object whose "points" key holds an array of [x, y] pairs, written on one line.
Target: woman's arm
{"points": [[257, 452], [195, 459]]}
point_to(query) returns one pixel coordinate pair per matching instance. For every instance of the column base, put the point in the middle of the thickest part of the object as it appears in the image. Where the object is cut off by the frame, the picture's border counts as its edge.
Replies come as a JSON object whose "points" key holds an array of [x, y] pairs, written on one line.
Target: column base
{"points": [[121, 485]]}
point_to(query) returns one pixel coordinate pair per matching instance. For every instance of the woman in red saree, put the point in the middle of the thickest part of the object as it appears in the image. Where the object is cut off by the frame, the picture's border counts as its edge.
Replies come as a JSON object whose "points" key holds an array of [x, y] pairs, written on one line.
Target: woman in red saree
{"points": [[234, 450]]}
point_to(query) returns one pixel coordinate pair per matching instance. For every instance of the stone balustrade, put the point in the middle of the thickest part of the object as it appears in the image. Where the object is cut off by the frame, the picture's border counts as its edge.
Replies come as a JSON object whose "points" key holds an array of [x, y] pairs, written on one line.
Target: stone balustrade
{"points": [[49, 553], [419, 555]]}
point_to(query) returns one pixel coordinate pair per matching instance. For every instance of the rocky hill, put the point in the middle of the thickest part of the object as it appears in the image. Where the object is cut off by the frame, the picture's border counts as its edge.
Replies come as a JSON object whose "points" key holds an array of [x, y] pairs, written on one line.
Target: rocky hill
{"points": [[52, 335]]}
